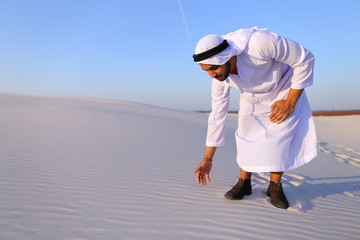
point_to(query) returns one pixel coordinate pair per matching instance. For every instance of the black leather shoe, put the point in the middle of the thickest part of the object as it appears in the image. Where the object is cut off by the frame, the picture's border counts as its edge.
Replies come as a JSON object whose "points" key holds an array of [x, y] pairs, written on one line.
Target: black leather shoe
{"points": [[277, 195], [241, 188]]}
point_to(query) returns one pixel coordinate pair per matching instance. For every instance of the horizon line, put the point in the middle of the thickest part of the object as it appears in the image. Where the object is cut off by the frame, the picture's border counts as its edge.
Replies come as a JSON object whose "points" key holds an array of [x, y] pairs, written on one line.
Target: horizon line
{"points": [[316, 113]]}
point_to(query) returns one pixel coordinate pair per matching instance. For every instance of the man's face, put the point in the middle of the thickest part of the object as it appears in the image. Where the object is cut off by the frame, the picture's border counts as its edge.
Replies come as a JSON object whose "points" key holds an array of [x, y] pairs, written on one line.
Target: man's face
{"points": [[219, 72]]}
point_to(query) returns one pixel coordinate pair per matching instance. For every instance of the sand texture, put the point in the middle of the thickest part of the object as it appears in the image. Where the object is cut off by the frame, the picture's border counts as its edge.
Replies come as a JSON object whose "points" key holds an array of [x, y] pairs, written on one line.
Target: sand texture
{"points": [[76, 169]]}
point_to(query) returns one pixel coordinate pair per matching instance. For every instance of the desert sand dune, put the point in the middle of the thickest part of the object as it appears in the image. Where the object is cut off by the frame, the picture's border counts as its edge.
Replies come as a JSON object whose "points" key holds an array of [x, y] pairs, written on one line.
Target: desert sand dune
{"points": [[73, 168]]}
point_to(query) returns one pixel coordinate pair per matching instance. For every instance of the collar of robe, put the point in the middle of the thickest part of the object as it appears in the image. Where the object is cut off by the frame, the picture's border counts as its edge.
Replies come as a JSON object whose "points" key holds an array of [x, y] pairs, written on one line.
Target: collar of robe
{"points": [[211, 52]]}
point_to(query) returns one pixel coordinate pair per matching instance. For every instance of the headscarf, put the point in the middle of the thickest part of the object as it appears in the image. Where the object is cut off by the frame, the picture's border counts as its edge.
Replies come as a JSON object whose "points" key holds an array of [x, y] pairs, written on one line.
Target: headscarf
{"points": [[237, 42]]}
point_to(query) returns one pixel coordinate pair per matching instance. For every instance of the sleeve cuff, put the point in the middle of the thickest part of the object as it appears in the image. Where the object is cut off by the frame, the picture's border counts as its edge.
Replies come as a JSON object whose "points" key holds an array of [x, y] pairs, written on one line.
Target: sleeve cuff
{"points": [[300, 85], [212, 144]]}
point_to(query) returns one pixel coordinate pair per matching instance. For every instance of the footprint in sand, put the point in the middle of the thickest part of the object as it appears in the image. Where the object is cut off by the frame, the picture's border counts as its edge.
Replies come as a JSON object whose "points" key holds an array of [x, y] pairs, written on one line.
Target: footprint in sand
{"points": [[341, 153]]}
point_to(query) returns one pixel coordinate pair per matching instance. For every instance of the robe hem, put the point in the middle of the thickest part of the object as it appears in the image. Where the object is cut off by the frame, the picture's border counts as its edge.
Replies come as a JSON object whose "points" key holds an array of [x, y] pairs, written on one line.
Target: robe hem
{"points": [[304, 160]]}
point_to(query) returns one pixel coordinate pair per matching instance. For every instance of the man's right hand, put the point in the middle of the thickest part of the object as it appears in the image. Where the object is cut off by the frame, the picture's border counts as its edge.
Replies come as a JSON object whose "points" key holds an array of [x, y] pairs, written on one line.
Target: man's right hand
{"points": [[203, 170]]}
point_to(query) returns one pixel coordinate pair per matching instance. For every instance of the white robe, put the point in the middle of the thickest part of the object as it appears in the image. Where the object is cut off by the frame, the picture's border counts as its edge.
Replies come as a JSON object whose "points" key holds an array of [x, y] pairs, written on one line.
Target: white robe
{"points": [[267, 68]]}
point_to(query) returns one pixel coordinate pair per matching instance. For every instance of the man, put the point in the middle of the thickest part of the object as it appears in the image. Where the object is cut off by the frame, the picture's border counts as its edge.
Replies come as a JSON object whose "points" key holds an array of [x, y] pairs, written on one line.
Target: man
{"points": [[275, 131]]}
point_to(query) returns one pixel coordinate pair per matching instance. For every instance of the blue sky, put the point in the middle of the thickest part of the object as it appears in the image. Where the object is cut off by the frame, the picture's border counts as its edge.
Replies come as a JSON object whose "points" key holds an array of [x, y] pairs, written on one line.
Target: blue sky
{"points": [[141, 51]]}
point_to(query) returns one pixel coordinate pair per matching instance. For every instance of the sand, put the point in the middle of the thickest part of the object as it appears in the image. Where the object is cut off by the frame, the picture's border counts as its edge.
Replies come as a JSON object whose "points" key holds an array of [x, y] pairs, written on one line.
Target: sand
{"points": [[73, 168]]}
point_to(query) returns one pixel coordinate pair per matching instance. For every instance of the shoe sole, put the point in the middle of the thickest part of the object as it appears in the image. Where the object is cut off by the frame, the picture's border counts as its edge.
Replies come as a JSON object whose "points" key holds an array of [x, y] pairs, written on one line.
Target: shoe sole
{"points": [[236, 198], [278, 206]]}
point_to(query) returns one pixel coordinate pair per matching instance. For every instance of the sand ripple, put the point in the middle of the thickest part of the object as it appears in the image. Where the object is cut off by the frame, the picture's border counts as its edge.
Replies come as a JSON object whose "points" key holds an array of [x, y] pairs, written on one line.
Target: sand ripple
{"points": [[73, 169]]}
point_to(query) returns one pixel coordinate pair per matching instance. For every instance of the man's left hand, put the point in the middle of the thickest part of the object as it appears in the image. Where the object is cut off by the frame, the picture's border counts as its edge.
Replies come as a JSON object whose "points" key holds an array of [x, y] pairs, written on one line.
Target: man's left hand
{"points": [[281, 110]]}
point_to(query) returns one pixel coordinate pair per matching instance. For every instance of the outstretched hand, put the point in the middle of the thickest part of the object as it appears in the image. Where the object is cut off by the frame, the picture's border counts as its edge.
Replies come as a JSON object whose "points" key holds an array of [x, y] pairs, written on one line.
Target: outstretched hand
{"points": [[202, 171]]}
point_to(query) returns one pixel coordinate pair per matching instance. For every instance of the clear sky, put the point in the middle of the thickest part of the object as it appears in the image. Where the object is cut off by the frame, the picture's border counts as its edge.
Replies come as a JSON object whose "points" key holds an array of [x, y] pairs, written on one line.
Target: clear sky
{"points": [[141, 50]]}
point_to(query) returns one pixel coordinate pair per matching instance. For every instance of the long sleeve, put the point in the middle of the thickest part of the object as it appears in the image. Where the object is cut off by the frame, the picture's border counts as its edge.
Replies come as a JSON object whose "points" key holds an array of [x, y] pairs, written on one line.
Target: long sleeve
{"points": [[217, 118], [271, 46]]}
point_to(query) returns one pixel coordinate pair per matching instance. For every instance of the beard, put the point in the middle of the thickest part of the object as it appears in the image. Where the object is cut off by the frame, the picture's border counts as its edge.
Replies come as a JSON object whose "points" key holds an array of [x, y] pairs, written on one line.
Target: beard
{"points": [[226, 73], [227, 70]]}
